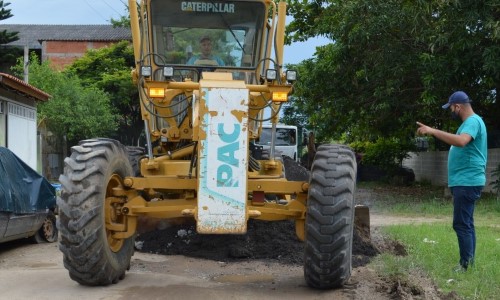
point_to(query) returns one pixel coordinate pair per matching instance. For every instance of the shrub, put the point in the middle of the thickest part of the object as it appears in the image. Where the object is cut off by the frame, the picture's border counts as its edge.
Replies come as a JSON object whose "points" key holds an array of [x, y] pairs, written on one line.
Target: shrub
{"points": [[386, 153]]}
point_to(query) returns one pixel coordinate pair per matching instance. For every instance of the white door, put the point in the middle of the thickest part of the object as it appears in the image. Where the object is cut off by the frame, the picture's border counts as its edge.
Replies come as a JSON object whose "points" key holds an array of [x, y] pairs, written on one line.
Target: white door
{"points": [[21, 133]]}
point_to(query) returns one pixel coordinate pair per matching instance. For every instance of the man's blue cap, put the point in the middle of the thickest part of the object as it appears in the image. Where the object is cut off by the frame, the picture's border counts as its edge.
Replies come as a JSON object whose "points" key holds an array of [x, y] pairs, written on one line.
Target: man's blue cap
{"points": [[457, 98]]}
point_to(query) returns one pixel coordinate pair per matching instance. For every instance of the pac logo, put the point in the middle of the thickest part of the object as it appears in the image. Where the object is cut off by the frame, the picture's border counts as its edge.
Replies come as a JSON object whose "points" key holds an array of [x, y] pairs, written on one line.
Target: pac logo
{"points": [[226, 157]]}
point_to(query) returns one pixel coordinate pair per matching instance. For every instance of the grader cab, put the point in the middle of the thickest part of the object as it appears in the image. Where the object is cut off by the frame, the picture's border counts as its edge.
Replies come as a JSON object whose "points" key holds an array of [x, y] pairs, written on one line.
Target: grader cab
{"points": [[202, 112]]}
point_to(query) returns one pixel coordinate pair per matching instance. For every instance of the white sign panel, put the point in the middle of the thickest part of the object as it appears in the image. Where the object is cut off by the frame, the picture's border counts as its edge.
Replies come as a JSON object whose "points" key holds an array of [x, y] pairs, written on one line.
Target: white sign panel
{"points": [[223, 162]]}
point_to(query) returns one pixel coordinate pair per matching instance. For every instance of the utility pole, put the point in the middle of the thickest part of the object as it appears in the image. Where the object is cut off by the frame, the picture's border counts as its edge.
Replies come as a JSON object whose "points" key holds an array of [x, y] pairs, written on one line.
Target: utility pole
{"points": [[26, 63]]}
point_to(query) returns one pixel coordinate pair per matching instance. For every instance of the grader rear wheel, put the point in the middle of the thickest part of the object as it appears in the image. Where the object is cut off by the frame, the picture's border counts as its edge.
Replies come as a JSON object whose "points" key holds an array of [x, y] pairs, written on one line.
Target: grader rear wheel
{"points": [[134, 156], [330, 218], [87, 213]]}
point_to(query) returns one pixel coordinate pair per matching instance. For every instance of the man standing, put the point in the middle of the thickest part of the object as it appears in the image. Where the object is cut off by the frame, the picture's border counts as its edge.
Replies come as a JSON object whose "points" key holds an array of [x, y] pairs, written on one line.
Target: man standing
{"points": [[466, 170]]}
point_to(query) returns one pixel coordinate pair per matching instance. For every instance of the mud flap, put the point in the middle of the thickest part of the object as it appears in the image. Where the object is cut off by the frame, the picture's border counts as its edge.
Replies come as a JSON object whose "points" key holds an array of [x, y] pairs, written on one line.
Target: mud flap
{"points": [[223, 158]]}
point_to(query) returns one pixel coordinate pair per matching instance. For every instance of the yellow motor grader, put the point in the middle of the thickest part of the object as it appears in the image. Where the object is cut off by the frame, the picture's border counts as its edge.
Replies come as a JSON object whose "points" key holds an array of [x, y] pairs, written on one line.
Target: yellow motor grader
{"points": [[202, 112]]}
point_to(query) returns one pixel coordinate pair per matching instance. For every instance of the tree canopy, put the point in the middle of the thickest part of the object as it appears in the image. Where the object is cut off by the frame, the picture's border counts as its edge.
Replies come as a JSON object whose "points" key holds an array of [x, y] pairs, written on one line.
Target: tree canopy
{"points": [[5, 36], [74, 111], [109, 69], [8, 55], [392, 63]]}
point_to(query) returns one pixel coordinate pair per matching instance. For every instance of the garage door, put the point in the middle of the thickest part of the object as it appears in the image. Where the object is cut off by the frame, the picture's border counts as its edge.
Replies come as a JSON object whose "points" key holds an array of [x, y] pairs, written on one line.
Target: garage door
{"points": [[21, 133]]}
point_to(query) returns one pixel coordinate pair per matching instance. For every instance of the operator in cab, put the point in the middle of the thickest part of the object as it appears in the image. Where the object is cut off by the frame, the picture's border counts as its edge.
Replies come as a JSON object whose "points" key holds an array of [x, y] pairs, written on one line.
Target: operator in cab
{"points": [[206, 58]]}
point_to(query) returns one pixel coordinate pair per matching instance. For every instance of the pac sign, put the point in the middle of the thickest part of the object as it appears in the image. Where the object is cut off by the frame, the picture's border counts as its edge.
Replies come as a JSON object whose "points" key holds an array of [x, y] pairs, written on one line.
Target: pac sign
{"points": [[223, 160], [226, 156]]}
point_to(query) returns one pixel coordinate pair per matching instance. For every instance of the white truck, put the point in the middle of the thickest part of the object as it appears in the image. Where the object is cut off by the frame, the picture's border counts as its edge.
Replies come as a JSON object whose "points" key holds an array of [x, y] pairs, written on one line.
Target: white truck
{"points": [[285, 141]]}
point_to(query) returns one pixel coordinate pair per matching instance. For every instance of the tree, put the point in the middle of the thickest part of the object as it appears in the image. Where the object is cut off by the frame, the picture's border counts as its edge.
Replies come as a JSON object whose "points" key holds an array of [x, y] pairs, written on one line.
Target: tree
{"points": [[6, 37], [8, 55], [74, 111], [123, 21], [109, 69], [464, 47], [394, 62]]}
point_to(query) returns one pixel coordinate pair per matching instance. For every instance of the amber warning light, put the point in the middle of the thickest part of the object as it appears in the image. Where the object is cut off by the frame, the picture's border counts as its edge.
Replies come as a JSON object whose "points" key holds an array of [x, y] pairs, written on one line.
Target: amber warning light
{"points": [[156, 92], [280, 96]]}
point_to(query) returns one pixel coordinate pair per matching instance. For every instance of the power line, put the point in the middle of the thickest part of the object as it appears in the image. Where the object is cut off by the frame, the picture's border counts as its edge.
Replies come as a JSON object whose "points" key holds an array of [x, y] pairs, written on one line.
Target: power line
{"points": [[111, 7], [95, 10]]}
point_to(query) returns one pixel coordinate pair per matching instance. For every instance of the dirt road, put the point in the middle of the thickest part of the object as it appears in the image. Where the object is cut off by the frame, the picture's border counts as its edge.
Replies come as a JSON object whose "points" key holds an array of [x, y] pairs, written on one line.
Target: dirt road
{"points": [[30, 271], [36, 271]]}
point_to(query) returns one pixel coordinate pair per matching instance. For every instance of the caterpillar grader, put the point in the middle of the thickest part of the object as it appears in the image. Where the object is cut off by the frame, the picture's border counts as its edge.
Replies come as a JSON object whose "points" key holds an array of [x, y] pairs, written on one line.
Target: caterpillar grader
{"points": [[201, 118]]}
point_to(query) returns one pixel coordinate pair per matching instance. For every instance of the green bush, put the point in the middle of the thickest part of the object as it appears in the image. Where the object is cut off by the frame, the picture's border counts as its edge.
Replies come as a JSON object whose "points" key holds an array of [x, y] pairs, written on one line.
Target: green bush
{"points": [[359, 146], [386, 153]]}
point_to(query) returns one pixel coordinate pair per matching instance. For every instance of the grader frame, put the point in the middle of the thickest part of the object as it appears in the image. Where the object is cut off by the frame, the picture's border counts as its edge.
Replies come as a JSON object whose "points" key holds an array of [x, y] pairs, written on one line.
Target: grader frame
{"points": [[200, 123]]}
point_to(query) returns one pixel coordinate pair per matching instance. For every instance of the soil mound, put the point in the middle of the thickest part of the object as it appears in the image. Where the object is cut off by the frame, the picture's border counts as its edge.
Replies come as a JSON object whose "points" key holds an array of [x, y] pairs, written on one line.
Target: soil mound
{"points": [[264, 240]]}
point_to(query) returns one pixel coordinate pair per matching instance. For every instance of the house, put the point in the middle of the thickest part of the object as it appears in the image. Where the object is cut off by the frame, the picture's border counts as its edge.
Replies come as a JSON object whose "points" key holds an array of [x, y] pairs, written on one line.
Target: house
{"points": [[62, 44], [18, 122]]}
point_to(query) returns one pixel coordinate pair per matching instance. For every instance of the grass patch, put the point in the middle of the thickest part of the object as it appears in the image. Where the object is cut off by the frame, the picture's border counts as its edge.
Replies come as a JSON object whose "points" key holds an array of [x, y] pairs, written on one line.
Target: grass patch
{"points": [[433, 248]]}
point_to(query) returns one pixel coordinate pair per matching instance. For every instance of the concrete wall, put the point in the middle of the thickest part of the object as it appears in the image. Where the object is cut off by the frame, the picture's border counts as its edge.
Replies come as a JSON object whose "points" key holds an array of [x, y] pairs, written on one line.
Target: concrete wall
{"points": [[432, 166]]}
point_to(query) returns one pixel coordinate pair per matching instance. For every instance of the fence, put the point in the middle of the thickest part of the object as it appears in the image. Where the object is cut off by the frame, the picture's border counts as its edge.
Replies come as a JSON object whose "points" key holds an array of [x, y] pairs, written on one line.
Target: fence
{"points": [[432, 166]]}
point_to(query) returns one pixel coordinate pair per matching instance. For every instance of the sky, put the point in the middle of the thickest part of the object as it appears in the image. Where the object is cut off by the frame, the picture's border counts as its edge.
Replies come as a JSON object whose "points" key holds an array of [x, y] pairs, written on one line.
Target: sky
{"points": [[80, 12]]}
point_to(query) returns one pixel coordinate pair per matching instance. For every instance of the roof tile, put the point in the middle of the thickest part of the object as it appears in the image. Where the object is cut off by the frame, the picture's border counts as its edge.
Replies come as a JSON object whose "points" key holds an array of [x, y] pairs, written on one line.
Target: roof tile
{"points": [[33, 35]]}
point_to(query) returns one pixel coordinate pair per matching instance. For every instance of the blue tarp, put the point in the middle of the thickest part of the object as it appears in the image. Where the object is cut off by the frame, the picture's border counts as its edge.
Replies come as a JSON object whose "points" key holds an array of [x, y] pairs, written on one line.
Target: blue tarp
{"points": [[22, 189]]}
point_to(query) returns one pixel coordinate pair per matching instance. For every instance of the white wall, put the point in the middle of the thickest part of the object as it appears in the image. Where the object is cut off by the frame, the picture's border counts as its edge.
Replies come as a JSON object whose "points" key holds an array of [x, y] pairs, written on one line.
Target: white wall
{"points": [[432, 166], [21, 133]]}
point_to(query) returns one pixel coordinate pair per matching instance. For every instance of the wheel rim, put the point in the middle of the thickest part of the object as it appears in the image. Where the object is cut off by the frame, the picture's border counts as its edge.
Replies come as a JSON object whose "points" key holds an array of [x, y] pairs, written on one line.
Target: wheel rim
{"points": [[48, 230], [112, 218]]}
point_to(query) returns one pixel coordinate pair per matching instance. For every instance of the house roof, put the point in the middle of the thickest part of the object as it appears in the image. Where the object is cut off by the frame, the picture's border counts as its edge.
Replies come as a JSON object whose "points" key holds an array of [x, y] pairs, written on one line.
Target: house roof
{"points": [[10, 82], [33, 35]]}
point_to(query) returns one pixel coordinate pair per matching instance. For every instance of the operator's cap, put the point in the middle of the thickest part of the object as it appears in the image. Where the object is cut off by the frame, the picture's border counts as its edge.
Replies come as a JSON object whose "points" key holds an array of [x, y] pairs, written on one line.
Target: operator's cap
{"points": [[205, 37], [457, 98]]}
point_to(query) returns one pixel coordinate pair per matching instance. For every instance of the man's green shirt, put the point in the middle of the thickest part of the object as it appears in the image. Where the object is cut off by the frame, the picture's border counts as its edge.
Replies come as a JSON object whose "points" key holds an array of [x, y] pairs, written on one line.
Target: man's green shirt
{"points": [[467, 165]]}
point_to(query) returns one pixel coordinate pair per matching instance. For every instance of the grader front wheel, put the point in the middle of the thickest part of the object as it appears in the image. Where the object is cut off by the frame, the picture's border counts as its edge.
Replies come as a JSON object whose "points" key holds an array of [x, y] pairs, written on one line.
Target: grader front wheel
{"points": [[330, 218], [88, 213]]}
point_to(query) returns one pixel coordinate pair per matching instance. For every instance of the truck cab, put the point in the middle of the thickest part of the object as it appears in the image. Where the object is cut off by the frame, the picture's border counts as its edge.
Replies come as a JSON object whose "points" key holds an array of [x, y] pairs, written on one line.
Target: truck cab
{"points": [[285, 142]]}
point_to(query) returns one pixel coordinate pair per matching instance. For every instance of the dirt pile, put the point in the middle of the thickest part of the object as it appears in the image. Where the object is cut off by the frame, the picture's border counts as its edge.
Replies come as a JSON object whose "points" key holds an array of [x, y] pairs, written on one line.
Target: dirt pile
{"points": [[264, 240]]}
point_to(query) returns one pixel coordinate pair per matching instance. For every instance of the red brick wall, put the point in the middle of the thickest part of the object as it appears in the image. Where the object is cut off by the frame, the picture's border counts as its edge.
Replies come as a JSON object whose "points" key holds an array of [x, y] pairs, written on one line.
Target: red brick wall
{"points": [[63, 53], [65, 47]]}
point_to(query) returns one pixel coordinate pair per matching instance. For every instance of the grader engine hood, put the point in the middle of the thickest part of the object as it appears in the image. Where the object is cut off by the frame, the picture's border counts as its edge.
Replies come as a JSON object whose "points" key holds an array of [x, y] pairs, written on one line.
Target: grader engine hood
{"points": [[223, 155]]}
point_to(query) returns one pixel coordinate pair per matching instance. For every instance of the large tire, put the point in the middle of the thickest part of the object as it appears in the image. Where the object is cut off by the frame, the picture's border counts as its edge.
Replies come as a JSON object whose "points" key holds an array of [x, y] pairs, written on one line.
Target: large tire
{"points": [[134, 156], [91, 255], [330, 218]]}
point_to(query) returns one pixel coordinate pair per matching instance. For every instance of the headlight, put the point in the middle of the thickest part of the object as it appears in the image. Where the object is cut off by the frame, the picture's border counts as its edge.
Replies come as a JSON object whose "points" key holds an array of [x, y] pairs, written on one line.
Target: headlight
{"points": [[271, 74], [168, 72], [146, 71], [291, 75]]}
